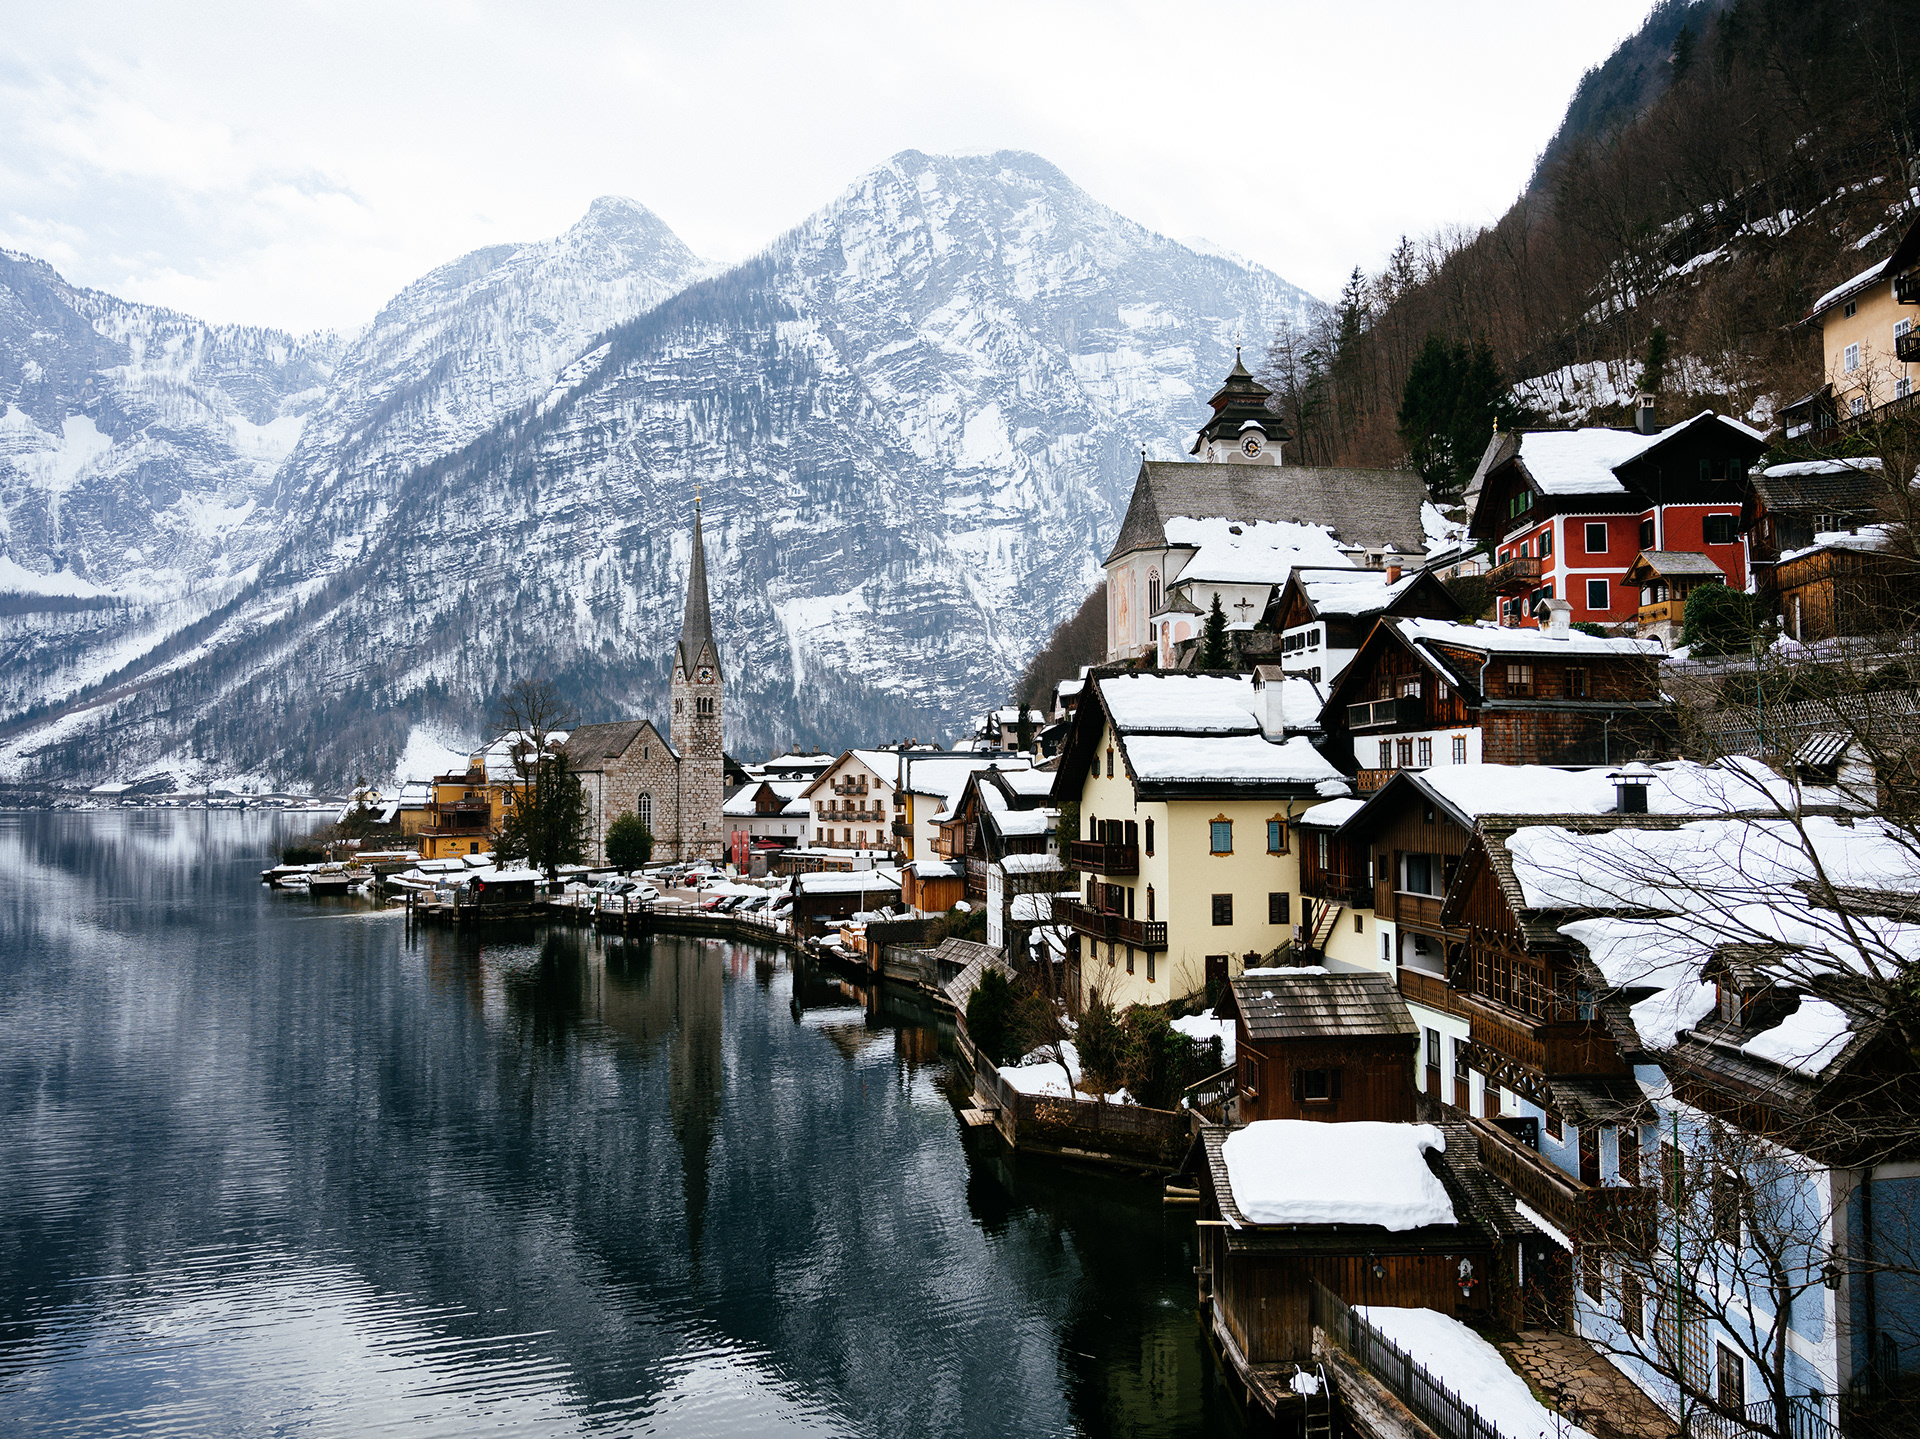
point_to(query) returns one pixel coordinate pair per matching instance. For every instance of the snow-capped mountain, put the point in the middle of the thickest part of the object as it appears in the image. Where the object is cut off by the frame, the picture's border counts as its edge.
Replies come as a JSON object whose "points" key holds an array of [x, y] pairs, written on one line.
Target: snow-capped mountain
{"points": [[914, 421]]}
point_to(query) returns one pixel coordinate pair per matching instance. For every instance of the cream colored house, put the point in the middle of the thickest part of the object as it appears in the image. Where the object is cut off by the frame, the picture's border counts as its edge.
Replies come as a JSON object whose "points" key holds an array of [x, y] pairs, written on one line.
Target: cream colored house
{"points": [[1870, 336], [1187, 786]]}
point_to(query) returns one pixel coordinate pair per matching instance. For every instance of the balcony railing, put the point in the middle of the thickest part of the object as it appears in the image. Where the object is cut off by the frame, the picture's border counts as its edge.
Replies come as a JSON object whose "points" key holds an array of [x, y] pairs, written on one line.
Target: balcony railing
{"points": [[1522, 572], [903, 828], [1664, 611], [848, 787], [1906, 348], [1411, 908], [1091, 857], [1906, 288], [1332, 885], [1419, 987], [976, 878], [1117, 928], [1385, 714]]}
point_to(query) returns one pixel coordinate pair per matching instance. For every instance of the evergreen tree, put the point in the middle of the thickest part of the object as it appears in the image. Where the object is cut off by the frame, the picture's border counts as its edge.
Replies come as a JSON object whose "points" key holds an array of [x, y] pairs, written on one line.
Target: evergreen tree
{"points": [[629, 842], [1454, 398], [1214, 654], [1683, 48], [1653, 370], [1023, 735]]}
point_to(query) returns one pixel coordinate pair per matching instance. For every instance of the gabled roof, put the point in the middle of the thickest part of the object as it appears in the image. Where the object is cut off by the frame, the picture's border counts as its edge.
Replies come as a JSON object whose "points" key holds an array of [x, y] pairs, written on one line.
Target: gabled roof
{"points": [[1361, 507], [590, 746], [1364, 593], [1674, 565], [1905, 255], [1585, 462], [1430, 640], [1286, 1004], [1821, 485]]}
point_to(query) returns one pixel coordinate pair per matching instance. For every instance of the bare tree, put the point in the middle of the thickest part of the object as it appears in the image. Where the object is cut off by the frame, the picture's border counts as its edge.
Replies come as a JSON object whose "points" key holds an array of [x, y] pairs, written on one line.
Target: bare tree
{"points": [[545, 819]]}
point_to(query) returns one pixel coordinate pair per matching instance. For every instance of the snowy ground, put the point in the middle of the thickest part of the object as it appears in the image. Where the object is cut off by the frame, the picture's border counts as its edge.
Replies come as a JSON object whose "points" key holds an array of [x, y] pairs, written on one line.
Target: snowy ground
{"points": [[1473, 1369]]}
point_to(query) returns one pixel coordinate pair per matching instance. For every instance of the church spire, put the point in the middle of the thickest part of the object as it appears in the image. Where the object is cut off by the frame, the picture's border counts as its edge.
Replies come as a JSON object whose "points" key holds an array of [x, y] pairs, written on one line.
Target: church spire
{"points": [[696, 629]]}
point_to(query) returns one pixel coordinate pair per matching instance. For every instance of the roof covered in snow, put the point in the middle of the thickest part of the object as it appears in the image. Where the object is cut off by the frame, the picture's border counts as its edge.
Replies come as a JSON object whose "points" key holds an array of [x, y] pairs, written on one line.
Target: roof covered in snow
{"points": [[1363, 1172], [1249, 552], [1361, 507]]}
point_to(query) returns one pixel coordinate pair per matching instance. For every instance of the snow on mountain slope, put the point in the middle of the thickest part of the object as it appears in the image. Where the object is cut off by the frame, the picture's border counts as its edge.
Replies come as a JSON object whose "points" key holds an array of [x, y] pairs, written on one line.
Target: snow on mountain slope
{"points": [[914, 421]]}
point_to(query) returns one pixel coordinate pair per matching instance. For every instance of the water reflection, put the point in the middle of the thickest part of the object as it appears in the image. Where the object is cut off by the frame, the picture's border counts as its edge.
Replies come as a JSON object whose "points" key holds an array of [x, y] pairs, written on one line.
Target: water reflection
{"points": [[276, 1165]]}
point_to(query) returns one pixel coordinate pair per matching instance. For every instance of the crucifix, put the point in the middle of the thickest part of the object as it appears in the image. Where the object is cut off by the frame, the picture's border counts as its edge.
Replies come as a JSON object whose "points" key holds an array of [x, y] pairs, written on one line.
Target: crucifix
{"points": [[1243, 606]]}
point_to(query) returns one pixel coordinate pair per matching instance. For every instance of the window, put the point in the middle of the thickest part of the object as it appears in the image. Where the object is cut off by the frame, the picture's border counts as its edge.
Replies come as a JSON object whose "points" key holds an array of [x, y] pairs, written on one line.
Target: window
{"points": [[1851, 309], [1109, 764], [1857, 406], [1359, 924], [1732, 1006], [1440, 690], [1850, 358], [1598, 599], [1520, 503], [1418, 874], [1725, 1200], [1630, 1156], [643, 806], [1278, 909], [1222, 834], [1520, 677], [1316, 1086], [1596, 538], [1646, 534], [1633, 1304], [1320, 849], [1149, 901], [473, 846], [1223, 909], [1555, 1132], [1149, 966], [1276, 836], [1546, 543], [1902, 327], [1386, 754], [1433, 1048], [1591, 1274], [1902, 387], [1253, 1065], [1459, 749], [1410, 689], [1577, 685], [1733, 1379], [1153, 592], [1425, 756], [1149, 835], [1129, 959], [1406, 752], [1721, 529], [1313, 639], [1460, 1060]]}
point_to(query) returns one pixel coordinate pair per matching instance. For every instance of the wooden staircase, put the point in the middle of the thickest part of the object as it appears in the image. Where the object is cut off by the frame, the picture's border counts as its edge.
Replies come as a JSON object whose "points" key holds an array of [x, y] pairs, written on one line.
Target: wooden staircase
{"points": [[1323, 926]]}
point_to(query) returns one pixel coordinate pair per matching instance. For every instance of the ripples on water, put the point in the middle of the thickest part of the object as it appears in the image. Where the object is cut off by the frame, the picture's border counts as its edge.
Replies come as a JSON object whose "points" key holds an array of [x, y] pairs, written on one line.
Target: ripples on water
{"points": [[272, 1165]]}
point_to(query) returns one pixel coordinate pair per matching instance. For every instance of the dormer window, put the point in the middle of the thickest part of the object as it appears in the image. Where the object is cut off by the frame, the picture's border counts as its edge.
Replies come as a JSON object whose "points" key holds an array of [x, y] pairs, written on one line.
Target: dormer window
{"points": [[1733, 1003]]}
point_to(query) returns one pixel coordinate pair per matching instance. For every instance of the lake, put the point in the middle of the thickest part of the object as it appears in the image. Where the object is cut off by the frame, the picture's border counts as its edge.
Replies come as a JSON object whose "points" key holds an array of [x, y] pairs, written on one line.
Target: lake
{"points": [[272, 1165]]}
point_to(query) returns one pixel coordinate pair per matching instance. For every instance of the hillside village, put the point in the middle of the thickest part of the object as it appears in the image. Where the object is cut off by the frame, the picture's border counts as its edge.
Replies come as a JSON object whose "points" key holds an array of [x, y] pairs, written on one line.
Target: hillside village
{"points": [[1498, 912]]}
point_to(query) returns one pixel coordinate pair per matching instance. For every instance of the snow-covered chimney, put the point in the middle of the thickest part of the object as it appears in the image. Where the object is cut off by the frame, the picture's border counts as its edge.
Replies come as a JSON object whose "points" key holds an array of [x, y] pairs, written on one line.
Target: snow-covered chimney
{"points": [[1559, 617], [1643, 414], [1269, 685]]}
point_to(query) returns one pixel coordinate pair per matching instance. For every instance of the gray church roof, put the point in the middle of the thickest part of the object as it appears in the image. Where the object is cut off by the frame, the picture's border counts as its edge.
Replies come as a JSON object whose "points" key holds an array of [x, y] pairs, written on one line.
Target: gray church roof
{"points": [[1361, 507], [697, 628], [590, 746]]}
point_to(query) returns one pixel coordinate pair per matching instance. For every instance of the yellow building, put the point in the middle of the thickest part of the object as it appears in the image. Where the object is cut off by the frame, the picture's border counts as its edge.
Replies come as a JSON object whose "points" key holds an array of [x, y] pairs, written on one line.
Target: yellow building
{"points": [[1870, 336], [1186, 786]]}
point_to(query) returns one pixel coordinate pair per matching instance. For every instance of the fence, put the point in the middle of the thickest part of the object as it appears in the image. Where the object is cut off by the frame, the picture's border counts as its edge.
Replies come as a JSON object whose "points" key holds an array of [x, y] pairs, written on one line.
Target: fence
{"points": [[1128, 1133], [1435, 1405], [1806, 1419]]}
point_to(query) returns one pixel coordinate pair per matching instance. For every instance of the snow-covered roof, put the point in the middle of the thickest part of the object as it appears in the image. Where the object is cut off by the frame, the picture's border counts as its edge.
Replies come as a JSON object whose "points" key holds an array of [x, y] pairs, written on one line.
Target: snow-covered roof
{"points": [[1031, 863], [1231, 759], [1504, 639], [1028, 782], [1798, 468], [1298, 1171], [1725, 787], [859, 881], [1583, 461], [1332, 814], [1868, 538], [933, 869], [945, 773], [1179, 703], [1249, 552], [1849, 287], [1025, 823], [1353, 592]]}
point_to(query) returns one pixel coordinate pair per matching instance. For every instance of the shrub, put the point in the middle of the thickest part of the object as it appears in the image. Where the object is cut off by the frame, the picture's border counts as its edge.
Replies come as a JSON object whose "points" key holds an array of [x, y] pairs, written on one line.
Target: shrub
{"points": [[1719, 619], [990, 1014]]}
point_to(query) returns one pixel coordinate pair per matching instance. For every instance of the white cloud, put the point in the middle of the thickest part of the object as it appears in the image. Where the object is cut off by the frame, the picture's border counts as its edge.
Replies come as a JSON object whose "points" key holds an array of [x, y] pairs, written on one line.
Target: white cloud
{"points": [[297, 164]]}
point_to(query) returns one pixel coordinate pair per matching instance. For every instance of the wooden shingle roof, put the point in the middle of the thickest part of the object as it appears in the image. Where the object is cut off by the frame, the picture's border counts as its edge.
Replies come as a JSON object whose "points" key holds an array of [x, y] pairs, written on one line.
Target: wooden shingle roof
{"points": [[1321, 1006]]}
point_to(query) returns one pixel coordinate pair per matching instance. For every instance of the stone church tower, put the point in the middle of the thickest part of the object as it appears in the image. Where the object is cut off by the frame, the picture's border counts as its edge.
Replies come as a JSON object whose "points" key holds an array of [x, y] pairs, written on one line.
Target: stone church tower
{"points": [[696, 717]]}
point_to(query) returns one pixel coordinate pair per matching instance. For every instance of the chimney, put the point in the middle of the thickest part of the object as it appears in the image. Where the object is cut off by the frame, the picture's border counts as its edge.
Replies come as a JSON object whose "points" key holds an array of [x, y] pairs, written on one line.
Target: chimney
{"points": [[1630, 788], [1559, 617], [1643, 414], [1393, 573]]}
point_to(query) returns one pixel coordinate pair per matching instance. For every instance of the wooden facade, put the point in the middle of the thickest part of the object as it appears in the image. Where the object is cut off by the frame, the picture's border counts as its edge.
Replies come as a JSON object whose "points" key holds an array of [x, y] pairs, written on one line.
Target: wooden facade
{"points": [[1835, 591], [1332, 1047]]}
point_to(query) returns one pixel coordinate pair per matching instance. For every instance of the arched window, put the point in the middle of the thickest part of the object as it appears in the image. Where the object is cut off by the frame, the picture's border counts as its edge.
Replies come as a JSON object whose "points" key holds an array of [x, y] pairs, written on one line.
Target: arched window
{"points": [[643, 807], [1153, 593]]}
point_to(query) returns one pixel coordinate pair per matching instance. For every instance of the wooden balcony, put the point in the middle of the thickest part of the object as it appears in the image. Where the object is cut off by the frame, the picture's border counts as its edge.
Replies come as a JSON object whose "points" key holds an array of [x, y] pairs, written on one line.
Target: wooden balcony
{"points": [[1906, 348], [1330, 885], [1662, 612], [903, 828], [1117, 928], [1431, 990], [1606, 1218], [467, 815], [1090, 857], [1369, 780], [1494, 1027], [1906, 288], [1522, 572], [1386, 714], [1421, 909]]}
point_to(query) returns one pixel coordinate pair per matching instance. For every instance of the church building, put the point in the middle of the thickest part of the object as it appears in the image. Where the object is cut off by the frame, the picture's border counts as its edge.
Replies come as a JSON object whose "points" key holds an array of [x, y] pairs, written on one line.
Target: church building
{"points": [[675, 785]]}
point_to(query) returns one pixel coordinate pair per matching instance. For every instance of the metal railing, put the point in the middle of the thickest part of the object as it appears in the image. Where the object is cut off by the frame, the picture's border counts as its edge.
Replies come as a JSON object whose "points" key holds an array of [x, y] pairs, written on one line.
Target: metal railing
{"points": [[1806, 1419], [1906, 348], [1906, 288], [1435, 1405]]}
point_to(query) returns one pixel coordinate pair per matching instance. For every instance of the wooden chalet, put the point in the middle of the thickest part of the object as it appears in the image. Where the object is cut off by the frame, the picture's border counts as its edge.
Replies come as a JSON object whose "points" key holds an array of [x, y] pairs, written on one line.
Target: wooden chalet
{"points": [[1258, 1265], [1847, 585], [1335, 1047], [1423, 692]]}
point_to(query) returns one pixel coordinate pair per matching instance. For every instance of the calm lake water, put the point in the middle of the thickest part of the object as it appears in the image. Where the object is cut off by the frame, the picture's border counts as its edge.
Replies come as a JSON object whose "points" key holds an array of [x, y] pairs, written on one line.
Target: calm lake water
{"points": [[273, 1165]]}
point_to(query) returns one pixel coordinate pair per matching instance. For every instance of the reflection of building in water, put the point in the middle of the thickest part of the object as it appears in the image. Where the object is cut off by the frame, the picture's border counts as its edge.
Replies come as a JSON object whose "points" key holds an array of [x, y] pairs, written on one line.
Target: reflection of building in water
{"points": [[918, 1045]]}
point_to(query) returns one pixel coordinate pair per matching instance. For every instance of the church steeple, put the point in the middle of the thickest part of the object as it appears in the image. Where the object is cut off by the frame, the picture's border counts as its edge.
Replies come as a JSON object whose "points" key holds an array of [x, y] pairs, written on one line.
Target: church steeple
{"points": [[1242, 429], [696, 628]]}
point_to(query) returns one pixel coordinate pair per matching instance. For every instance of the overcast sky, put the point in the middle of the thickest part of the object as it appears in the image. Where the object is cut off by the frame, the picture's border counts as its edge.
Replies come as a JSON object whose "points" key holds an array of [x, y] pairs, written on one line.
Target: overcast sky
{"points": [[295, 164]]}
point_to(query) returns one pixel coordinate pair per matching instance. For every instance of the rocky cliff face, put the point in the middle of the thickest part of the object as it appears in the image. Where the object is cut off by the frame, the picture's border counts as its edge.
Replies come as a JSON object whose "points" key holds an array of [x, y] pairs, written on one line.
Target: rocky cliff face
{"points": [[913, 422]]}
